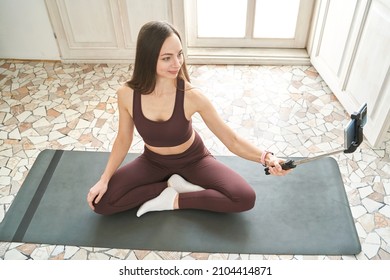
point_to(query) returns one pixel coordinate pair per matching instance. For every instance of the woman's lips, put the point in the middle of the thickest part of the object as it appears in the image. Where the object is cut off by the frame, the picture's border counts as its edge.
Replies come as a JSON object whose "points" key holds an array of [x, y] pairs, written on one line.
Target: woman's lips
{"points": [[174, 72]]}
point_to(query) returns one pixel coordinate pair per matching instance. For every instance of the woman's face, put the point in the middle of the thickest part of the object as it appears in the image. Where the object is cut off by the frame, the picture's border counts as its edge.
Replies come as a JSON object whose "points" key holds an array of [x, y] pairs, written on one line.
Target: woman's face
{"points": [[170, 58]]}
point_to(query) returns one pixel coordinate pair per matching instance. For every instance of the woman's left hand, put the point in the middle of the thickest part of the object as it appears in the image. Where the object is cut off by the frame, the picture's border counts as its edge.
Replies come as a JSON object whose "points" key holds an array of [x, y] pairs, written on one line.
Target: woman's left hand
{"points": [[274, 166]]}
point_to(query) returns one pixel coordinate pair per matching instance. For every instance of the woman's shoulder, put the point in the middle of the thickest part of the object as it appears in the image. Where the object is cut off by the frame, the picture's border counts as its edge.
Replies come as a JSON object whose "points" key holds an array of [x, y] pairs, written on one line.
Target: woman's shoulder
{"points": [[196, 96], [193, 92], [125, 90], [125, 96]]}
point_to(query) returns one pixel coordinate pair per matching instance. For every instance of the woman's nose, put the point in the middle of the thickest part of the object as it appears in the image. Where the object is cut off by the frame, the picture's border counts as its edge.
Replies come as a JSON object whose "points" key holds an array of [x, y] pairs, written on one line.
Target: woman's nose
{"points": [[177, 61]]}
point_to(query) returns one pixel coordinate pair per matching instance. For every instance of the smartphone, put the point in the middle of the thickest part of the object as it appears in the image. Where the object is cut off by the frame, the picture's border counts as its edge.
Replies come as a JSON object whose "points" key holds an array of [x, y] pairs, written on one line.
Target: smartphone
{"points": [[353, 132]]}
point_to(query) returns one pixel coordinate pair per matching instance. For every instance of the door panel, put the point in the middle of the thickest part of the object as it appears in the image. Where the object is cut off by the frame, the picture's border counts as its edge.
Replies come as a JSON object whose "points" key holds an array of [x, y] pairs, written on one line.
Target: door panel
{"points": [[337, 22], [136, 13], [79, 19], [369, 78]]}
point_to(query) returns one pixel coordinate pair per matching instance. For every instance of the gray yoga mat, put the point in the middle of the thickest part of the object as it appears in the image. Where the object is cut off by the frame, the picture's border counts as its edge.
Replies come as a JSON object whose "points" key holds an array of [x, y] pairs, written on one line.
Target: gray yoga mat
{"points": [[305, 212]]}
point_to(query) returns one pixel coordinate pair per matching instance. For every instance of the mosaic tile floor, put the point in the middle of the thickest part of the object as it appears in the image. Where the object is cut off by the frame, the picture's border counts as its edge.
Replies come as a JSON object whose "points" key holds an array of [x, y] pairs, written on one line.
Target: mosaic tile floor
{"points": [[289, 110]]}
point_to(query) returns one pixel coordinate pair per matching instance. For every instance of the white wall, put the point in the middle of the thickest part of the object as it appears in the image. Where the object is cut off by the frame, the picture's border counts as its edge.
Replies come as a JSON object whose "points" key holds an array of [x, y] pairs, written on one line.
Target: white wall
{"points": [[25, 31]]}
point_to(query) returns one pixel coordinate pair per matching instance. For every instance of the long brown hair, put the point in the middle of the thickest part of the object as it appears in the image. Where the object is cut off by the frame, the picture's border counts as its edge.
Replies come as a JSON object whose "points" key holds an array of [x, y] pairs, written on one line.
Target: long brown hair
{"points": [[149, 42]]}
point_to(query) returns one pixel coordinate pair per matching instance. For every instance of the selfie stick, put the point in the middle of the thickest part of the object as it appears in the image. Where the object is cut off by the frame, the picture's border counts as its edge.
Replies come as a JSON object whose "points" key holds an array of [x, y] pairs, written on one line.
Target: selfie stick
{"points": [[358, 120]]}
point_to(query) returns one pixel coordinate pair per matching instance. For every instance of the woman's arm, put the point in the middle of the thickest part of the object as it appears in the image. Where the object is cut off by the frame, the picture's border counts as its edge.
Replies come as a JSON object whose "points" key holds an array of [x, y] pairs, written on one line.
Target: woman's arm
{"points": [[120, 148], [124, 136], [235, 143]]}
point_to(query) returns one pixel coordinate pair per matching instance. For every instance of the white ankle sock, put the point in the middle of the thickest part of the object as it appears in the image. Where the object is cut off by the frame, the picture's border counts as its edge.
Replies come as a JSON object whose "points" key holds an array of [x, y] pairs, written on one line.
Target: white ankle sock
{"points": [[162, 202], [181, 185]]}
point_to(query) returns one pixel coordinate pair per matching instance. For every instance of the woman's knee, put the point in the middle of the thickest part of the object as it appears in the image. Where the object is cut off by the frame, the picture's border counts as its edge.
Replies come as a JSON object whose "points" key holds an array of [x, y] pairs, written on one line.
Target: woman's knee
{"points": [[103, 209], [247, 200]]}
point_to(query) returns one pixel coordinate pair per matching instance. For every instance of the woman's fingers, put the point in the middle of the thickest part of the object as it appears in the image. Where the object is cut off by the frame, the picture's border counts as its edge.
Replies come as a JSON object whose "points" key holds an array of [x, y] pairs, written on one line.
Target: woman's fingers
{"points": [[276, 168], [91, 198]]}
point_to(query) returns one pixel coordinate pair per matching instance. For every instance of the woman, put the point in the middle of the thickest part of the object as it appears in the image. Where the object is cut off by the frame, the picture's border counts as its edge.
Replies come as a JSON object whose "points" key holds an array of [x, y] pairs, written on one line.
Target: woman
{"points": [[175, 171]]}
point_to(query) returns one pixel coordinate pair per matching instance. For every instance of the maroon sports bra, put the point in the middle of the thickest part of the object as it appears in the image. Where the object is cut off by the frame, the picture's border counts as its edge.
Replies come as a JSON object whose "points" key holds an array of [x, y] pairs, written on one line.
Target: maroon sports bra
{"points": [[172, 132]]}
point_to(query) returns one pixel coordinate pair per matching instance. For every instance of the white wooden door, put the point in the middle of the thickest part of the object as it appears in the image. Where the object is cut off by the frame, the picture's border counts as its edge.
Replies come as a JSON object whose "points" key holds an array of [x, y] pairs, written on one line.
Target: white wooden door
{"points": [[87, 29], [105, 30], [351, 52]]}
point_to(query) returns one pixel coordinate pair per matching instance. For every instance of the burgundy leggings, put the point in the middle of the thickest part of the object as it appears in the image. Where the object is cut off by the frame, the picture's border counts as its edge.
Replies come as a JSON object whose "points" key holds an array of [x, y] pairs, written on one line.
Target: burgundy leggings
{"points": [[146, 177]]}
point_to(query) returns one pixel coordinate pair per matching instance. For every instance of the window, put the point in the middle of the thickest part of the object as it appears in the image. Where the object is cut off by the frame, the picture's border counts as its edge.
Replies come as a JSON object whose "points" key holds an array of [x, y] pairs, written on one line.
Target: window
{"points": [[248, 23], [214, 22], [276, 19]]}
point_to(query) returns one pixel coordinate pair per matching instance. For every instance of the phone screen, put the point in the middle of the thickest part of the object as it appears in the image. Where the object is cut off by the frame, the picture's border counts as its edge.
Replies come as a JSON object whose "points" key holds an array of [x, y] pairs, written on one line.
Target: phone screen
{"points": [[349, 134], [353, 132]]}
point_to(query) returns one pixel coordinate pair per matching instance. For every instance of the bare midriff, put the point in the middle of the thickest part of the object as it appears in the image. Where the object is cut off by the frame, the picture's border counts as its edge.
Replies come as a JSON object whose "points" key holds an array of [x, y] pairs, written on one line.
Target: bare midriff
{"points": [[173, 150]]}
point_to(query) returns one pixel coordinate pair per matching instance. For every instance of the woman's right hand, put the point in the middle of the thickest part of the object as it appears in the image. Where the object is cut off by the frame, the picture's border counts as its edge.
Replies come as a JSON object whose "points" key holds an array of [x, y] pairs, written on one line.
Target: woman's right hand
{"points": [[96, 193]]}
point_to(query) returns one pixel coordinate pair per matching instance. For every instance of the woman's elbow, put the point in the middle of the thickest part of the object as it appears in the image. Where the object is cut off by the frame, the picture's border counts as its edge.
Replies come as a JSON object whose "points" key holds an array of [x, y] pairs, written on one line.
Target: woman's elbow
{"points": [[123, 141], [233, 144]]}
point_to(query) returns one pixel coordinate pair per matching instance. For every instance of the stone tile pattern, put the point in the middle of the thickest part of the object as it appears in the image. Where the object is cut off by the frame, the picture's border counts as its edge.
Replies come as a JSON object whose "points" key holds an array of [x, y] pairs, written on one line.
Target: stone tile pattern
{"points": [[287, 109]]}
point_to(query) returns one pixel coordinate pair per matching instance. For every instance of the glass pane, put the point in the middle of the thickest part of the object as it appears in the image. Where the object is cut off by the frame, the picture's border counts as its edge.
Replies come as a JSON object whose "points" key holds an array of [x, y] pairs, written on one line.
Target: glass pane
{"points": [[221, 18], [276, 18]]}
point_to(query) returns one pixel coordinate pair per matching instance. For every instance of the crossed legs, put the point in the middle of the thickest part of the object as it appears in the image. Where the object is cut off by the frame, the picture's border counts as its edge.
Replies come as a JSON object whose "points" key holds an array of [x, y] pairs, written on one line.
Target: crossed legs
{"points": [[205, 184]]}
